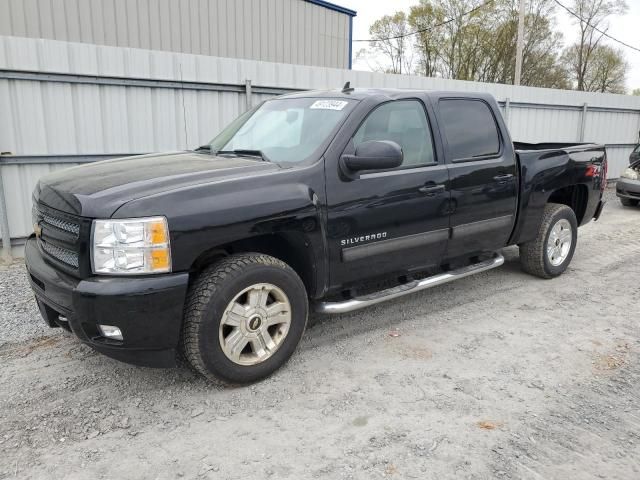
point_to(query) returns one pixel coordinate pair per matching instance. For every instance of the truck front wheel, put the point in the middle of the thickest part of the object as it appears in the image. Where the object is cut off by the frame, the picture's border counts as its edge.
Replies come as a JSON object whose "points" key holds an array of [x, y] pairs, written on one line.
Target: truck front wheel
{"points": [[244, 317], [550, 253]]}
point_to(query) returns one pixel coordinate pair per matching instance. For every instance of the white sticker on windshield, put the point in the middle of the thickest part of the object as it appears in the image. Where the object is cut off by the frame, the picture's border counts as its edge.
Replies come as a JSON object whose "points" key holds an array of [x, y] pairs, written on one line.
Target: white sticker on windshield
{"points": [[329, 104]]}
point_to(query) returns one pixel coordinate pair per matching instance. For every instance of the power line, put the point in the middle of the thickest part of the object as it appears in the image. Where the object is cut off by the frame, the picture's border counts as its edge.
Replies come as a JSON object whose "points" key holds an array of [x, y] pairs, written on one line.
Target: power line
{"points": [[423, 30], [596, 28], [473, 10]]}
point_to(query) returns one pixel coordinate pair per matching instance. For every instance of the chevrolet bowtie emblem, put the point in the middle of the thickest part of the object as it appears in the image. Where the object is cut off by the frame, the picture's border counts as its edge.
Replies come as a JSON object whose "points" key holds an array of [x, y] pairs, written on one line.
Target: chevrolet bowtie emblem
{"points": [[37, 229]]}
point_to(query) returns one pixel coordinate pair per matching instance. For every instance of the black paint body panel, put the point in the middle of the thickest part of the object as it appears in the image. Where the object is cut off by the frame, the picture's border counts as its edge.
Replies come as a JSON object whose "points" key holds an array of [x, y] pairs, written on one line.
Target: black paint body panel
{"points": [[543, 172], [148, 310], [348, 228]]}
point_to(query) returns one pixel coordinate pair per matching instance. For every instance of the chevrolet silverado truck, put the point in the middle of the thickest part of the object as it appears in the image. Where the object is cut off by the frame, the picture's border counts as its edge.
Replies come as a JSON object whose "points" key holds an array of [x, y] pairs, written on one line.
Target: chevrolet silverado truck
{"points": [[327, 200]]}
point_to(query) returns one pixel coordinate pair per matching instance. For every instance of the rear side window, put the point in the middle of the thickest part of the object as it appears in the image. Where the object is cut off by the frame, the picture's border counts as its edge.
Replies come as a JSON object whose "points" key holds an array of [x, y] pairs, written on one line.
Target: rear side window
{"points": [[469, 127]]}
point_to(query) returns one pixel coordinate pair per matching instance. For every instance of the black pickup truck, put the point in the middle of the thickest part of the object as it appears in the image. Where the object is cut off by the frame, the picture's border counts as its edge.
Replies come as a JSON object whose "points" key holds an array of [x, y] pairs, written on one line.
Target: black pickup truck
{"points": [[331, 200]]}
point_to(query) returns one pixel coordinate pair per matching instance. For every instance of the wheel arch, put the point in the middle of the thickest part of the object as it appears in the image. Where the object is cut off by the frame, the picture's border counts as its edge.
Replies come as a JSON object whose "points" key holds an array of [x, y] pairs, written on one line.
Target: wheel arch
{"points": [[532, 204], [293, 248], [576, 197]]}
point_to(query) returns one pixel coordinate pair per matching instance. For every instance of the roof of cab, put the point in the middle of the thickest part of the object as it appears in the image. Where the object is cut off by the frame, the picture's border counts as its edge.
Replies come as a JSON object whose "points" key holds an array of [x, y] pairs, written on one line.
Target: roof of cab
{"points": [[391, 93]]}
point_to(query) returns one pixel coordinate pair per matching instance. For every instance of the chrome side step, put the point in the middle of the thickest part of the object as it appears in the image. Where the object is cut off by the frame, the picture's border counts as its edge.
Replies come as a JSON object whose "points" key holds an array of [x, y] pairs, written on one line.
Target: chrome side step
{"points": [[407, 288]]}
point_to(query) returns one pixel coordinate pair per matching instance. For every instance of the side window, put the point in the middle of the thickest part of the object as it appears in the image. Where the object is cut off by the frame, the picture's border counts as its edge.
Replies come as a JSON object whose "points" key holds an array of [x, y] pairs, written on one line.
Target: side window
{"points": [[404, 122], [469, 127]]}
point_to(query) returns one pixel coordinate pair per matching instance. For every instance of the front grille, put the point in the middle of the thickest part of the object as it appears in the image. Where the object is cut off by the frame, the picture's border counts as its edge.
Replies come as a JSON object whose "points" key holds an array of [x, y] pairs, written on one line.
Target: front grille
{"points": [[61, 254], [59, 236], [61, 224]]}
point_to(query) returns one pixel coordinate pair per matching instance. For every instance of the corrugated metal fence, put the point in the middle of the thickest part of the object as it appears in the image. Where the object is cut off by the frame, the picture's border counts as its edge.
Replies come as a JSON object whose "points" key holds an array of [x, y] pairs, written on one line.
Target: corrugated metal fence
{"points": [[291, 31], [64, 103]]}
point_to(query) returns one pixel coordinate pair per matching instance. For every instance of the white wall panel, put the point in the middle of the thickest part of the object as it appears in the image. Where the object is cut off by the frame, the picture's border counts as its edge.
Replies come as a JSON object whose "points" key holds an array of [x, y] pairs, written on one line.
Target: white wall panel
{"points": [[252, 29], [612, 127], [540, 125], [18, 182]]}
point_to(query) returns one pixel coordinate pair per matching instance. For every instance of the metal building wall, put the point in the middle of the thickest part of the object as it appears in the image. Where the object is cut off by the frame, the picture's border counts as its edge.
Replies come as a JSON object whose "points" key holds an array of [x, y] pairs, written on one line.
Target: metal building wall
{"points": [[285, 31], [66, 103]]}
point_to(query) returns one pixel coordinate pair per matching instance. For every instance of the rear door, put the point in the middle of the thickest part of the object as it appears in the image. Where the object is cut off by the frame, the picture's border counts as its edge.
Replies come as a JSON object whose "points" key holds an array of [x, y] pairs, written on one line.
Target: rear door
{"points": [[482, 174], [389, 220]]}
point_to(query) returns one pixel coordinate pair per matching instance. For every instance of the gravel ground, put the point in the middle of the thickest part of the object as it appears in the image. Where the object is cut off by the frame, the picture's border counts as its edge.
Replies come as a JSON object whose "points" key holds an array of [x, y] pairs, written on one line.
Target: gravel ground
{"points": [[18, 310], [500, 375]]}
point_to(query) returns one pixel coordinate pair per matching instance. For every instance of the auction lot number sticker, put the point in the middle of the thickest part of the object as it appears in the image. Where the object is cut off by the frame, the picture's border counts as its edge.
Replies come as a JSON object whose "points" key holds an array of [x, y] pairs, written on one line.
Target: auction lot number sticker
{"points": [[329, 104]]}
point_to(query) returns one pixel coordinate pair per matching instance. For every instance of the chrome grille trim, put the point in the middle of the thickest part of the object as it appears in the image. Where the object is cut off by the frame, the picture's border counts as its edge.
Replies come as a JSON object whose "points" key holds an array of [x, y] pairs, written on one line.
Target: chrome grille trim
{"points": [[61, 254], [70, 227], [59, 235], [59, 223]]}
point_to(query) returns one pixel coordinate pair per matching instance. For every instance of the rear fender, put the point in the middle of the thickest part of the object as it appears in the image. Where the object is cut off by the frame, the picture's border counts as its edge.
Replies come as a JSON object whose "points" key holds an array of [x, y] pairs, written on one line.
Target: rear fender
{"points": [[546, 176]]}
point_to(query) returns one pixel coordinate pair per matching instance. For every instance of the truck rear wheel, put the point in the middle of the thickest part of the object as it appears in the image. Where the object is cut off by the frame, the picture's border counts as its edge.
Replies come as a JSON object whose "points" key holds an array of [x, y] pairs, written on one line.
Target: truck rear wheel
{"points": [[244, 317], [551, 252]]}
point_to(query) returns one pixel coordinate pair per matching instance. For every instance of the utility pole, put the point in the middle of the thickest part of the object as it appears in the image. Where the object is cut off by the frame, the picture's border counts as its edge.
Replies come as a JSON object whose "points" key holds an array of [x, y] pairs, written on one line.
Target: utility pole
{"points": [[519, 44]]}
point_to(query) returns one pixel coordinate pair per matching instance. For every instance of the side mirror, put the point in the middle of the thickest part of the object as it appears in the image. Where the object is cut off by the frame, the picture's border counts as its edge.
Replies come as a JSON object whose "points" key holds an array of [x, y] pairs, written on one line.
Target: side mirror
{"points": [[373, 155]]}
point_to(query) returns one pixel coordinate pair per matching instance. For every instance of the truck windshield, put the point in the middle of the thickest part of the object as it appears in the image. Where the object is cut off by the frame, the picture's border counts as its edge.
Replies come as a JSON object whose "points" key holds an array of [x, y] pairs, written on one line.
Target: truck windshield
{"points": [[283, 130]]}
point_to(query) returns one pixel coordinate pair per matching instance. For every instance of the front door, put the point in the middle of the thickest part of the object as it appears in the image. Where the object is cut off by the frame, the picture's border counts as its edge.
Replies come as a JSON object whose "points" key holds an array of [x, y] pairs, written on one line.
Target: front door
{"points": [[389, 220]]}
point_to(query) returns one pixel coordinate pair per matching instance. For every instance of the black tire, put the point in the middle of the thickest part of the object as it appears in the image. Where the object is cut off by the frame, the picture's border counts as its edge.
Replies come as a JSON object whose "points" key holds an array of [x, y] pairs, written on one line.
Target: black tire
{"points": [[628, 202], [209, 296], [533, 255]]}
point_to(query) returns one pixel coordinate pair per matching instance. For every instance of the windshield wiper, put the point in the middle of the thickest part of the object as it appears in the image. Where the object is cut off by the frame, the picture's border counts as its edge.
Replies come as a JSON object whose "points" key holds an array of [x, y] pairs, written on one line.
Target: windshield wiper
{"points": [[203, 148], [244, 152]]}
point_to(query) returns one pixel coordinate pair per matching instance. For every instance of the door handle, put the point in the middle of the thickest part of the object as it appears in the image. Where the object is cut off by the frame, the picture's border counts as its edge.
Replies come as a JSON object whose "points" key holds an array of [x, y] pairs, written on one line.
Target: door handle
{"points": [[431, 190], [501, 179]]}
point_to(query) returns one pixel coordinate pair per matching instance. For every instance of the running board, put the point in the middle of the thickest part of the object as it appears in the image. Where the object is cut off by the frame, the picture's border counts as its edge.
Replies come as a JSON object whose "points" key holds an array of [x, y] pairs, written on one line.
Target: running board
{"points": [[415, 286]]}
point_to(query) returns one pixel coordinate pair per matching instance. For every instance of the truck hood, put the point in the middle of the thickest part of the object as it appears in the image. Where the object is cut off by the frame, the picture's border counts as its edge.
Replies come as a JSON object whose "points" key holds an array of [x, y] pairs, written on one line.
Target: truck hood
{"points": [[98, 189]]}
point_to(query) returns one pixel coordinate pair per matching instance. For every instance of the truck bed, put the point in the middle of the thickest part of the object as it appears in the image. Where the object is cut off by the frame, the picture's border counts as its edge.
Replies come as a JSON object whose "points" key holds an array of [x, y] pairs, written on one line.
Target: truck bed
{"points": [[524, 146], [576, 172]]}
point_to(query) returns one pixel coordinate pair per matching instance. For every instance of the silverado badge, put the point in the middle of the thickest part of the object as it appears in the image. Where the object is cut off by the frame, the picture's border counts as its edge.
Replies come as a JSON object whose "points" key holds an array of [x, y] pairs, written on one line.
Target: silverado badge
{"points": [[363, 238]]}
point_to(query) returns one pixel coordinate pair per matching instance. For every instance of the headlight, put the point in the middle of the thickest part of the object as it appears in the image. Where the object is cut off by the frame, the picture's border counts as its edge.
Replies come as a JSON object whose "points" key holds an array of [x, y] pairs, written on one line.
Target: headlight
{"points": [[630, 173], [130, 247]]}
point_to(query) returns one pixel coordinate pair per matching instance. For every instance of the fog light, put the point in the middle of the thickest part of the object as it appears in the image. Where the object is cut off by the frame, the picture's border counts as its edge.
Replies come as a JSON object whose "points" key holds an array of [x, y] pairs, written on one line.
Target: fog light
{"points": [[109, 331]]}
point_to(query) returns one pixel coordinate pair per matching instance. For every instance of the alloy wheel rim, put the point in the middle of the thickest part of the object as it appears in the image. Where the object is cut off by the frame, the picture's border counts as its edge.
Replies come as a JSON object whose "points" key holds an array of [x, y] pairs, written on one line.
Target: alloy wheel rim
{"points": [[559, 242], [255, 324]]}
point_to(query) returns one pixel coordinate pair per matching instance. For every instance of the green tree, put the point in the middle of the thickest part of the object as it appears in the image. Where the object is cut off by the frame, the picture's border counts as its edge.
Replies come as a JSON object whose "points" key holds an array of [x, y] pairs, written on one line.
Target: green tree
{"points": [[389, 39], [636, 92], [541, 66], [467, 38], [593, 20], [607, 69], [423, 18], [481, 45]]}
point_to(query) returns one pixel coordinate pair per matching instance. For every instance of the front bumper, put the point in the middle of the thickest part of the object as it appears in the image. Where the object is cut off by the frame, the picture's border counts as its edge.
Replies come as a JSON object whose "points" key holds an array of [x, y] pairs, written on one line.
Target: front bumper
{"points": [[627, 188], [148, 310]]}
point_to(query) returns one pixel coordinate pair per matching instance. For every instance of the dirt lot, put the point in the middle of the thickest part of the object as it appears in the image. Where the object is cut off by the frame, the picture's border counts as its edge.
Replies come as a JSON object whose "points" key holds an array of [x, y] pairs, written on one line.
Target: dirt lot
{"points": [[500, 375]]}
